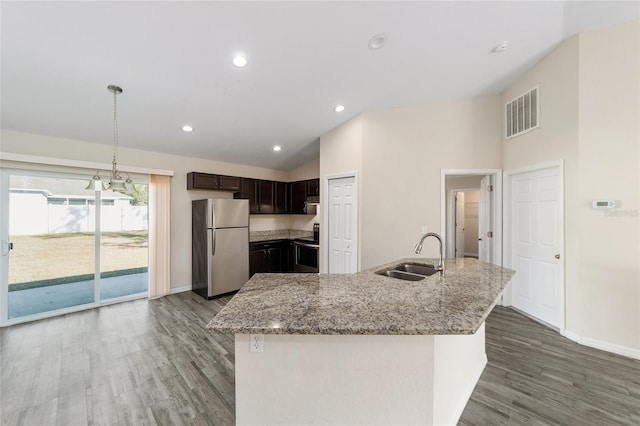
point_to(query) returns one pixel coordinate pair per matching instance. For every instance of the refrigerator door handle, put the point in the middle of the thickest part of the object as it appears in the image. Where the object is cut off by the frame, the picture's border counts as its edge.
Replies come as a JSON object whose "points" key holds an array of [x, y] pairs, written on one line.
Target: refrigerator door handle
{"points": [[213, 242]]}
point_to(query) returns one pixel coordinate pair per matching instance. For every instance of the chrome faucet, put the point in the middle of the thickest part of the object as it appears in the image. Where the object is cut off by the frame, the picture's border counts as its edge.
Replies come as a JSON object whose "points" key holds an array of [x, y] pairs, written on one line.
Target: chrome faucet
{"points": [[418, 249]]}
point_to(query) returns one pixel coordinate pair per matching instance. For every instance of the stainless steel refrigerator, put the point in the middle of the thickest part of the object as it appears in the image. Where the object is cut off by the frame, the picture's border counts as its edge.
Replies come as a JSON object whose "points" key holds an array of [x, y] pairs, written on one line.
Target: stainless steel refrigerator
{"points": [[219, 245]]}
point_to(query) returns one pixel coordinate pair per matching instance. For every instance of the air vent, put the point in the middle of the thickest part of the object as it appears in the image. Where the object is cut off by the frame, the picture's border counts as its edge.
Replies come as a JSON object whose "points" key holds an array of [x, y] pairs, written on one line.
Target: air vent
{"points": [[522, 114]]}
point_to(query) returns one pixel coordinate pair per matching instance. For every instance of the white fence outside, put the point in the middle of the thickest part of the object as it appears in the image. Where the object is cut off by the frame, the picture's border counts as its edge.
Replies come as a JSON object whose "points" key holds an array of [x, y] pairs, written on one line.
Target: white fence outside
{"points": [[30, 214]]}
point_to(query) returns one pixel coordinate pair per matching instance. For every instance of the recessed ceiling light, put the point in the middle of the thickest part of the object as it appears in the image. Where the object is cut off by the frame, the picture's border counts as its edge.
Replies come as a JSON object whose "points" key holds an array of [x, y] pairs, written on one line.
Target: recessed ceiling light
{"points": [[277, 148], [339, 108], [187, 128], [239, 61], [501, 47], [377, 41]]}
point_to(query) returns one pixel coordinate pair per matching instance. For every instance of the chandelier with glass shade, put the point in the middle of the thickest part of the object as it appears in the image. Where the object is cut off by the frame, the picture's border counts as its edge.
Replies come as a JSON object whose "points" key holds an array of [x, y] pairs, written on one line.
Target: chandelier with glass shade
{"points": [[116, 181]]}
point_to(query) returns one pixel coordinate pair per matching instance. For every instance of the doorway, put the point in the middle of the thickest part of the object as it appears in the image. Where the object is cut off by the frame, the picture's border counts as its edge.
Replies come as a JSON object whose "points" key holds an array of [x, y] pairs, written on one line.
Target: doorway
{"points": [[342, 224], [534, 241], [66, 247], [466, 219], [471, 214]]}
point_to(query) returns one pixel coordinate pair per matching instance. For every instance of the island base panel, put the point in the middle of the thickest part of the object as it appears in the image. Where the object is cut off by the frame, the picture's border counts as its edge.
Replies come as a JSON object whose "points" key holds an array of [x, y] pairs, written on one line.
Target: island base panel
{"points": [[365, 379]]}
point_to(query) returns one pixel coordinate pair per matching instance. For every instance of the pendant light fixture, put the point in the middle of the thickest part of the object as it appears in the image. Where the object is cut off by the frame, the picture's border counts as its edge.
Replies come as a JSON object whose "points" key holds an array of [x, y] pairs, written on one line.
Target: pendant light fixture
{"points": [[116, 181]]}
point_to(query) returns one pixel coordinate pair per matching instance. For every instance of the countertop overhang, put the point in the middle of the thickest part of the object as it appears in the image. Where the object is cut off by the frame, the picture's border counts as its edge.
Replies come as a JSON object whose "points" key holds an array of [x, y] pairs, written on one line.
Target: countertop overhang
{"points": [[366, 303]]}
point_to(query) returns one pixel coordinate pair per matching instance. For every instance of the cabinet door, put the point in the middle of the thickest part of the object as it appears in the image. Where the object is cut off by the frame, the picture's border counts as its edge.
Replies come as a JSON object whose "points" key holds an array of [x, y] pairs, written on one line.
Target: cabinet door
{"points": [[274, 259], [230, 183], [313, 187], [202, 181], [297, 197], [266, 196], [280, 198], [249, 191], [257, 262], [290, 257]]}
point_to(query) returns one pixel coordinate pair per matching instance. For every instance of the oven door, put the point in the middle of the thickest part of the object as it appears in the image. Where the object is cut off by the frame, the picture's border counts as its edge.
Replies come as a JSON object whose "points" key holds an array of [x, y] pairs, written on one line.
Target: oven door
{"points": [[306, 257]]}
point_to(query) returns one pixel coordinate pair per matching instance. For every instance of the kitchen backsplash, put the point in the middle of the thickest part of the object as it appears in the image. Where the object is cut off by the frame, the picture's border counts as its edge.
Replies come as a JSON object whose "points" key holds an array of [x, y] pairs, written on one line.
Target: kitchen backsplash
{"points": [[275, 222]]}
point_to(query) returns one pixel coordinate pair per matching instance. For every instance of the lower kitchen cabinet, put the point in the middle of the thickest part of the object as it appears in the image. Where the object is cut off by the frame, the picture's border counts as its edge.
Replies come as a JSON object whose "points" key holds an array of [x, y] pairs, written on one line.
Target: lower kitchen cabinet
{"points": [[269, 256]]}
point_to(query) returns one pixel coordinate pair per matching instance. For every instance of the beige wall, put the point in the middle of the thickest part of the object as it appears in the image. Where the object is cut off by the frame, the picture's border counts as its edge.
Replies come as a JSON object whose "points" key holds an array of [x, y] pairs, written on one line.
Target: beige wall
{"points": [[29, 144], [399, 154], [556, 139], [404, 151], [609, 159], [590, 95]]}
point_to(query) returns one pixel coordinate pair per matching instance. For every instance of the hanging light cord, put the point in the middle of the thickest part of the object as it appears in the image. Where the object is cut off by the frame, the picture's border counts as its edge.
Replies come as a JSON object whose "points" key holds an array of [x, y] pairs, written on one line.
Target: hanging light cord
{"points": [[115, 133]]}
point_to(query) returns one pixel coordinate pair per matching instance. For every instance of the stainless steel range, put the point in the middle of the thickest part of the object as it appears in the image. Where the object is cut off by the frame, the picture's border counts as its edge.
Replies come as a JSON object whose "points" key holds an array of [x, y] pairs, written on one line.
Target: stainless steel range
{"points": [[306, 252]]}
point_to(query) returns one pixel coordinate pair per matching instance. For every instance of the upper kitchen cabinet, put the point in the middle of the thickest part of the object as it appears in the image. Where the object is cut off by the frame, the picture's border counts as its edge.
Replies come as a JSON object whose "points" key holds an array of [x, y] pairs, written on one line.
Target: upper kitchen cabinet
{"points": [[266, 196], [230, 183], [280, 197], [297, 197], [313, 188], [197, 180], [249, 191], [261, 195], [300, 192]]}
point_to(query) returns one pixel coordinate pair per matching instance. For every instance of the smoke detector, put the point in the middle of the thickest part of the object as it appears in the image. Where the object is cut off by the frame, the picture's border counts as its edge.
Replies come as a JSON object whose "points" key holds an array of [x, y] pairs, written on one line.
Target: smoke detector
{"points": [[501, 47]]}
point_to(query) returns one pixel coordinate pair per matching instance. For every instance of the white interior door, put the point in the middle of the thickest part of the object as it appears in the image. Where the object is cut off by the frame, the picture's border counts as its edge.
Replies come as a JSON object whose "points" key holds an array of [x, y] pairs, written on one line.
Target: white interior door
{"points": [[459, 224], [485, 242], [343, 226], [536, 244]]}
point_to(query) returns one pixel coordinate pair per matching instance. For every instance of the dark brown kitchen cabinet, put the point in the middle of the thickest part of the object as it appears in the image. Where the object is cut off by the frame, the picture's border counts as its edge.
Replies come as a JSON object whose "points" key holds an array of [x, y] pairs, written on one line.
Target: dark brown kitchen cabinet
{"points": [[297, 197], [229, 183], [267, 257], [249, 191], [280, 197], [265, 196], [197, 180], [313, 187]]}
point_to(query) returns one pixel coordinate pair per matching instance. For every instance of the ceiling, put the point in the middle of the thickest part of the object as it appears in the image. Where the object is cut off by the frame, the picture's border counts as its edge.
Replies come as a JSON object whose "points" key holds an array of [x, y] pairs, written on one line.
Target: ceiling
{"points": [[173, 60]]}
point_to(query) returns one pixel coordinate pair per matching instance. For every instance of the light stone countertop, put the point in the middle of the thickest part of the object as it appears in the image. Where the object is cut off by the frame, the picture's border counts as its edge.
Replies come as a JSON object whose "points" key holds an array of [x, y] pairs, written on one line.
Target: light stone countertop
{"points": [[279, 234], [366, 303]]}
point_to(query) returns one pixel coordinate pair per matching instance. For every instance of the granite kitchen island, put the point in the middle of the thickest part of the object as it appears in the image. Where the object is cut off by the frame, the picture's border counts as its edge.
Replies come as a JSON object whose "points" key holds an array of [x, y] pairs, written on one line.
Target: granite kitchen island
{"points": [[361, 348]]}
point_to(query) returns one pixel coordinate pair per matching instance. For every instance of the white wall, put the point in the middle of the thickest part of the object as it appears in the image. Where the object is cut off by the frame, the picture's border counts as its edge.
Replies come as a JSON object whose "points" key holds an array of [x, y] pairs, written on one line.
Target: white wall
{"points": [[46, 146], [590, 113]]}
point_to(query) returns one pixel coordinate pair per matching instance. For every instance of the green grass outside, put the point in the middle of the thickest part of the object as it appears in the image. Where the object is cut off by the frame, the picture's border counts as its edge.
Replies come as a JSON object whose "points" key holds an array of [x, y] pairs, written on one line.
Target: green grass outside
{"points": [[52, 259]]}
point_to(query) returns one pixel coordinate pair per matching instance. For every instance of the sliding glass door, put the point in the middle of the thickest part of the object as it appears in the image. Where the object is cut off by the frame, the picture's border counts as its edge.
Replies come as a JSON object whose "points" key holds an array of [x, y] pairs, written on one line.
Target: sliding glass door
{"points": [[65, 247], [124, 244]]}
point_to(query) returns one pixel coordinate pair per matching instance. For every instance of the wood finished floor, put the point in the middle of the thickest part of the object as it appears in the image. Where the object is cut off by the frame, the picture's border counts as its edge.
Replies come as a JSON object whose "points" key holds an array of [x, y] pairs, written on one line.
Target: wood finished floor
{"points": [[153, 362]]}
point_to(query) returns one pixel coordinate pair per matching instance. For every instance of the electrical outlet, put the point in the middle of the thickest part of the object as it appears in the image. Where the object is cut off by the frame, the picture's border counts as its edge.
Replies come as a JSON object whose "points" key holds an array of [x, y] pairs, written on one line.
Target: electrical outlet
{"points": [[256, 343], [424, 229]]}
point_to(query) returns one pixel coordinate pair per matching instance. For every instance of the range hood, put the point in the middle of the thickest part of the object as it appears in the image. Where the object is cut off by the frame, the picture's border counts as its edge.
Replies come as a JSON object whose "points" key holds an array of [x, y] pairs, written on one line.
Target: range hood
{"points": [[313, 200], [311, 205]]}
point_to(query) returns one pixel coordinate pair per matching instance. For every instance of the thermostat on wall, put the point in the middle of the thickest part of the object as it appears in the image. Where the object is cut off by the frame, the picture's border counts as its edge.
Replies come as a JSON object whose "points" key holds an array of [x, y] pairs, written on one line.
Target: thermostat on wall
{"points": [[603, 204]]}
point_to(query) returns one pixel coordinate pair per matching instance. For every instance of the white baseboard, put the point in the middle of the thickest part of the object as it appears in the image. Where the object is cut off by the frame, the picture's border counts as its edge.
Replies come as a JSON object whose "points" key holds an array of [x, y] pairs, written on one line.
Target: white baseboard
{"points": [[180, 289], [602, 345]]}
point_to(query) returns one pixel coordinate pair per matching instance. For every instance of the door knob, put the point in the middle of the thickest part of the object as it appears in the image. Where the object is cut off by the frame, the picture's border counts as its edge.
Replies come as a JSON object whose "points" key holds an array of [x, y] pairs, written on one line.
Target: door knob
{"points": [[557, 256]]}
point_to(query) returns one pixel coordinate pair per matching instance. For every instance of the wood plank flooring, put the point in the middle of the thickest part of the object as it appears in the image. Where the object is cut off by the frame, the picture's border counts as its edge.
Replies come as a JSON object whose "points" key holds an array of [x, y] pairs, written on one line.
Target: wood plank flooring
{"points": [[153, 362]]}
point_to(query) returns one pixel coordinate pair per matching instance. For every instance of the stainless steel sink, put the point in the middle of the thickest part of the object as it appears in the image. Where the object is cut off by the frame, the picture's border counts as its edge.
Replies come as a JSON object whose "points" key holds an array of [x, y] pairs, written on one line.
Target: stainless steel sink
{"points": [[416, 268], [406, 276], [409, 271]]}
